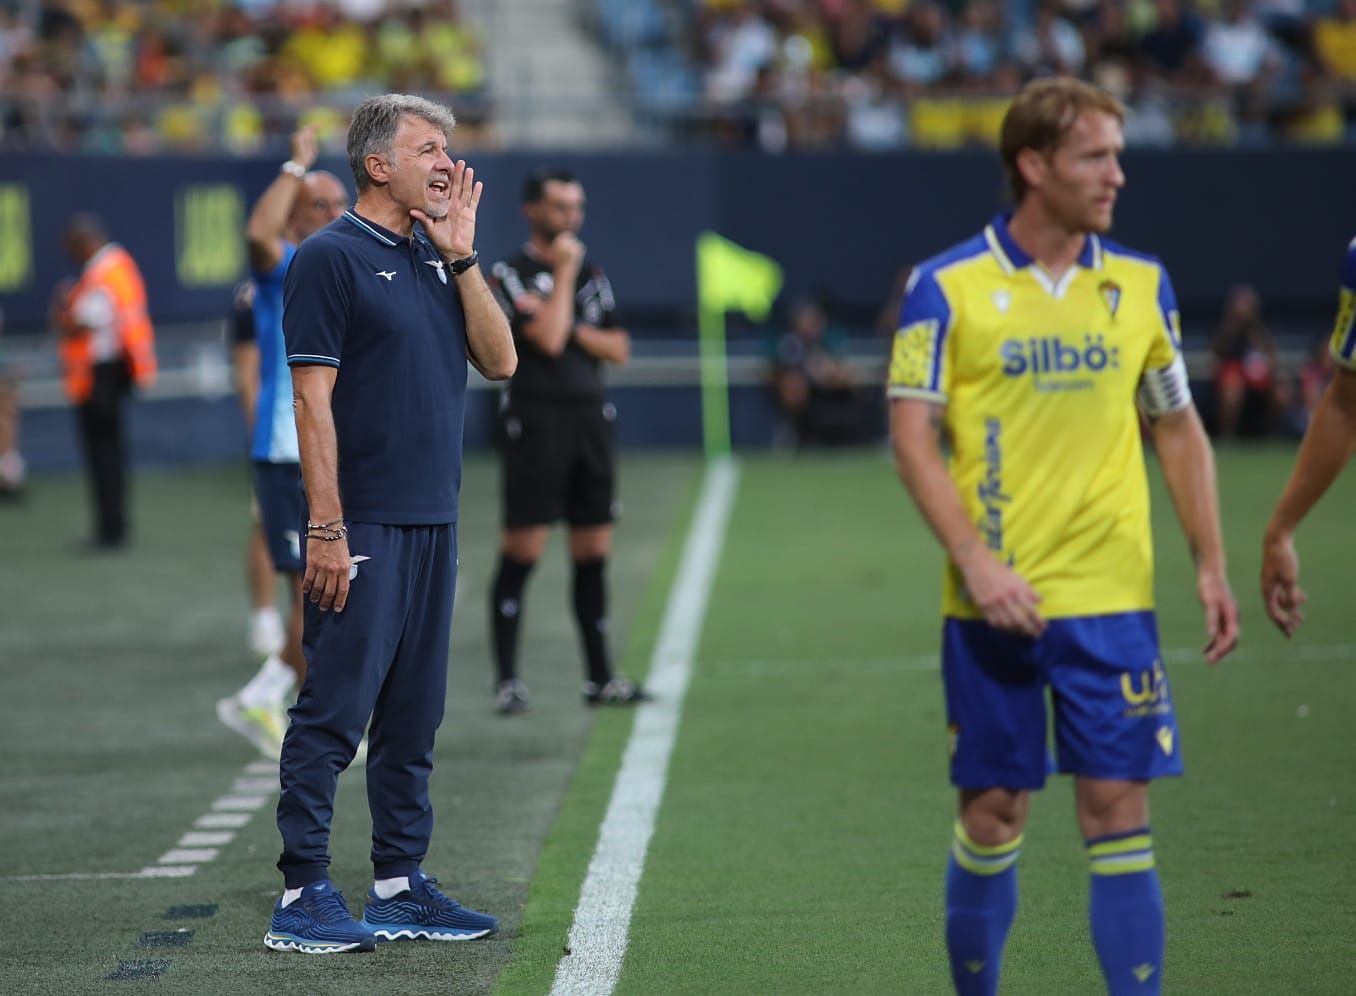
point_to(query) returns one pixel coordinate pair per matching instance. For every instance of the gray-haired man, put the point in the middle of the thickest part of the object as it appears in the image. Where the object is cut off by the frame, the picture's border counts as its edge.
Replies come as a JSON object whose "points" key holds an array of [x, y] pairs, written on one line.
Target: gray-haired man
{"points": [[380, 318]]}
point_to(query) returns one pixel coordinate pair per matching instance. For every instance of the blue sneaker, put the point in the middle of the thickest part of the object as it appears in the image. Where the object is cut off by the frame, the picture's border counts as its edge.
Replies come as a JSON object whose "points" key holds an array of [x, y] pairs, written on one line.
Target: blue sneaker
{"points": [[422, 911], [317, 922]]}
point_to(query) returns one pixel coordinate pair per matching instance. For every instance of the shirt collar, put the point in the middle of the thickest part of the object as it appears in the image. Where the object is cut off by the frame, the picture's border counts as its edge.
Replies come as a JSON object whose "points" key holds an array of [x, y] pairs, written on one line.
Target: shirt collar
{"points": [[372, 229], [1012, 257]]}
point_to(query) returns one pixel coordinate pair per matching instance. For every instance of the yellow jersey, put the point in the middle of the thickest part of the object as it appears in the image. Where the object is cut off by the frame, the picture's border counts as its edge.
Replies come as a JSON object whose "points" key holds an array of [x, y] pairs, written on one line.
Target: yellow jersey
{"points": [[1342, 346], [1040, 379]]}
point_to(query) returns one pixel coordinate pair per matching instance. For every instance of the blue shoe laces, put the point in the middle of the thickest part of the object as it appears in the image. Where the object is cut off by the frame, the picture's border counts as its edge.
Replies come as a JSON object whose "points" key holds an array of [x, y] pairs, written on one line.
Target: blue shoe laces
{"points": [[329, 907]]}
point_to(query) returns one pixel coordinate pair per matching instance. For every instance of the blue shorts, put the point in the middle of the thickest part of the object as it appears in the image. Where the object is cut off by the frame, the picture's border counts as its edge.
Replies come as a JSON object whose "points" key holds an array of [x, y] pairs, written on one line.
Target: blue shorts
{"points": [[1113, 707], [277, 488]]}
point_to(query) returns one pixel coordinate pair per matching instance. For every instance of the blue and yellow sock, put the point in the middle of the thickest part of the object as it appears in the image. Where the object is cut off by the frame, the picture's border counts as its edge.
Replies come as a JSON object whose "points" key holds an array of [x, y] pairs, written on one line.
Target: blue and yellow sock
{"points": [[1126, 911], [981, 901]]}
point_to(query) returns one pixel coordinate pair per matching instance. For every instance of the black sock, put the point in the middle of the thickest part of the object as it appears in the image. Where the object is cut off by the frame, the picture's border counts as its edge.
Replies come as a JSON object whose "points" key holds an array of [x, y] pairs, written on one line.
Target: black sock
{"points": [[590, 609], [506, 609]]}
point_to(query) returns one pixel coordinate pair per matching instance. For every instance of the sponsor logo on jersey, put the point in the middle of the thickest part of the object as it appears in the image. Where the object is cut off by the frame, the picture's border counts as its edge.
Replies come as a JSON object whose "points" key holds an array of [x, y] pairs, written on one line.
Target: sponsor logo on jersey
{"points": [[1057, 363]]}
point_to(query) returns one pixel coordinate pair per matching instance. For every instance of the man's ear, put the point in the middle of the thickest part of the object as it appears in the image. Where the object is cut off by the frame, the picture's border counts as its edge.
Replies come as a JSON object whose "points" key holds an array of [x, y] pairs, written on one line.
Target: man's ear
{"points": [[378, 170], [1033, 166]]}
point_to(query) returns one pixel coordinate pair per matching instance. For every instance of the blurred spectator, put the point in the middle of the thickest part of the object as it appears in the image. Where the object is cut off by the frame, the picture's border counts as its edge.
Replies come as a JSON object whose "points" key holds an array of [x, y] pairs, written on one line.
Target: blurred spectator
{"points": [[815, 389], [13, 474], [1335, 41], [238, 76], [1052, 46], [1246, 374]]}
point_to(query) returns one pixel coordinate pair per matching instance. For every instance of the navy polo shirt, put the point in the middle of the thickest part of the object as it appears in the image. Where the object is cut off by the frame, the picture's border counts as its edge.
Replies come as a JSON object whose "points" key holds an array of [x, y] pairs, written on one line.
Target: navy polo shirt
{"points": [[385, 311]]}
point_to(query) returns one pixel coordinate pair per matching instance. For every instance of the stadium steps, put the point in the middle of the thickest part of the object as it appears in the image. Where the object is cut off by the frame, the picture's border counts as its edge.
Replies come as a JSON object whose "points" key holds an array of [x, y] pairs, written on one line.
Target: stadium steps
{"points": [[567, 93]]}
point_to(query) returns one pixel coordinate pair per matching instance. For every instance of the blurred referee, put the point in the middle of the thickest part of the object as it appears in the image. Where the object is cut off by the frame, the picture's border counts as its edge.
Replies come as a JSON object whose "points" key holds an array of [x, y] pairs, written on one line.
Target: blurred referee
{"points": [[557, 432]]}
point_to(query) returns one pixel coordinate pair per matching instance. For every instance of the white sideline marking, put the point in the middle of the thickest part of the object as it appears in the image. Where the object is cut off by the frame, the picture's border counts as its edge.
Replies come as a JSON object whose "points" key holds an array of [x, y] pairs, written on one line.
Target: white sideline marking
{"points": [[248, 803], [206, 838], [234, 821], [602, 919], [212, 831], [185, 855], [251, 786]]}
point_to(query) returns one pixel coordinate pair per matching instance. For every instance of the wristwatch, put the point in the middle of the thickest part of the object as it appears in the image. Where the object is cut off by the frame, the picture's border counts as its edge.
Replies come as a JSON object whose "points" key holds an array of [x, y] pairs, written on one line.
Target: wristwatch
{"points": [[293, 168], [460, 266]]}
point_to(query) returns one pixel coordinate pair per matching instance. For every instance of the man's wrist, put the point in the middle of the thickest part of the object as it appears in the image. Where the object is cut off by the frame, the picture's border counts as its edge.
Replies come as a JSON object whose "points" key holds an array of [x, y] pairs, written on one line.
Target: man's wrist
{"points": [[293, 168], [460, 264]]}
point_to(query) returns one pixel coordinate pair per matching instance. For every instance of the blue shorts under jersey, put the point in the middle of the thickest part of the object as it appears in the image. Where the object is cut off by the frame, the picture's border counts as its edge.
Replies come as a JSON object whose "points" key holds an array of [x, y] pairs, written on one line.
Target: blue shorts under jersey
{"points": [[1113, 707], [277, 489]]}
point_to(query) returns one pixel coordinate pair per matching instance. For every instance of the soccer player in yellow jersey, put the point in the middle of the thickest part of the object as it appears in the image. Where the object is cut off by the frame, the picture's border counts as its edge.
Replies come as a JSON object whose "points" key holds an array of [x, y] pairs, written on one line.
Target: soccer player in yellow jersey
{"points": [[1328, 443], [1032, 348]]}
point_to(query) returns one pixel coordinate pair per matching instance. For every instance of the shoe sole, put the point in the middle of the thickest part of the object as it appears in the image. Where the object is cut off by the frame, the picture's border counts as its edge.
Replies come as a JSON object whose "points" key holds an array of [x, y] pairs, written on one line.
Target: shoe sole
{"points": [[287, 942], [257, 738], [425, 933]]}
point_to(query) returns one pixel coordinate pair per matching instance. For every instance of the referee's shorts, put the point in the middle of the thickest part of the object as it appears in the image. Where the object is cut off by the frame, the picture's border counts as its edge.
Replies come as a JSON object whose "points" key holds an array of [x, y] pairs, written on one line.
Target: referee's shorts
{"points": [[559, 462]]}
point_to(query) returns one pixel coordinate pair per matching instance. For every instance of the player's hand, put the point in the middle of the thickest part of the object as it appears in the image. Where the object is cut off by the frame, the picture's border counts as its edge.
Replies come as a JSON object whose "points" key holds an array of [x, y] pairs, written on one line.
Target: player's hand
{"points": [[567, 251], [1008, 602], [454, 234], [305, 146], [326, 580], [1221, 614], [1281, 592]]}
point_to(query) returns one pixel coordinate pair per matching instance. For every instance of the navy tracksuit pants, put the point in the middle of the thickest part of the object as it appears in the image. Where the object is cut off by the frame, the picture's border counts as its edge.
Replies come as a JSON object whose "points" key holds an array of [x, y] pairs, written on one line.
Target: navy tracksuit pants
{"points": [[384, 658]]}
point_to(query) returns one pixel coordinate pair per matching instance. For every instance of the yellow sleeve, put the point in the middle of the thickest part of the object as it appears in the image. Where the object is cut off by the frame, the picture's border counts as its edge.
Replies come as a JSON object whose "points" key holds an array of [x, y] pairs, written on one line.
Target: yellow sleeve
{"points": [[919, 366]]}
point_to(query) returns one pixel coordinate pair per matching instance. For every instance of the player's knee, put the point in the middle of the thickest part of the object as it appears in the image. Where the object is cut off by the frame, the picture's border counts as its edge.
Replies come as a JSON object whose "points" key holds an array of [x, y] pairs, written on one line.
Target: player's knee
{"points": [[994, 817], [1106, 807]]}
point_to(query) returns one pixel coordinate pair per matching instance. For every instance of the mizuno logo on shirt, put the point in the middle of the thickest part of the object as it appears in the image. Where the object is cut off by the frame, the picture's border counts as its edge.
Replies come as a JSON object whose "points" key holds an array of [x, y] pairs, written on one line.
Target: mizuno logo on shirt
{"points": [[388, 274]]}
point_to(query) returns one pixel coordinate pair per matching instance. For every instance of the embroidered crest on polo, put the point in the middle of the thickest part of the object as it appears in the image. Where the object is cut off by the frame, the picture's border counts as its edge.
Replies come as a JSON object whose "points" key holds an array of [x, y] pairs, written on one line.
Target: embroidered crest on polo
{"points": [[437, 264], [388, 274]]}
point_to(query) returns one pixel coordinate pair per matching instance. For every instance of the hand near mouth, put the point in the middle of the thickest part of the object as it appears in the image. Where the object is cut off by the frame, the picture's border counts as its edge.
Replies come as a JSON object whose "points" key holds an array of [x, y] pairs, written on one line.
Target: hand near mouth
{"points": [[454, 233]]}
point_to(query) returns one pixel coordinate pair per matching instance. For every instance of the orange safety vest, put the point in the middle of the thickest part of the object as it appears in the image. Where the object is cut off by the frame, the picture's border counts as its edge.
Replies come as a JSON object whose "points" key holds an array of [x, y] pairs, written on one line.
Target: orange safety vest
{"points": [[114, 272]]}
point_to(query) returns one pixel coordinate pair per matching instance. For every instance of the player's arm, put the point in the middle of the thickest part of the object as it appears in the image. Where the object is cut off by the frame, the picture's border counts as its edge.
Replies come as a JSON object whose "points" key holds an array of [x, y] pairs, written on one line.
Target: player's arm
{"points": [[489, 341], [1188, 465], [1328, 444], [549, 321], [611, 345], [268, 221], [1004, 596], [327, 561], [245, 372], [316, 313]]}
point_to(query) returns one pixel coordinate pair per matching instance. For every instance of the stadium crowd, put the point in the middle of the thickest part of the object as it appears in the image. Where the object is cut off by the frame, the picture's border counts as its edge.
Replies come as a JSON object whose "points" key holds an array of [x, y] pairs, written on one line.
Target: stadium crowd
{"points": [[144, 76], [884, 74], [138, 77]]}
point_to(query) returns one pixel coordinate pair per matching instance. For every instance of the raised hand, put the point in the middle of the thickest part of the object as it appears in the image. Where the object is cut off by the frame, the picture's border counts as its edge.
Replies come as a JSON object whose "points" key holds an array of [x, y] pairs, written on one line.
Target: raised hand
{"points": [[305, 146], [453, 233]]}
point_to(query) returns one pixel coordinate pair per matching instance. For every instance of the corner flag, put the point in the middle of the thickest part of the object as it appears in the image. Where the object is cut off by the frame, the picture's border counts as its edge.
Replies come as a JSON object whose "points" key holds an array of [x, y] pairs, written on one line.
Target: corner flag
{"points": [[729, 278]]}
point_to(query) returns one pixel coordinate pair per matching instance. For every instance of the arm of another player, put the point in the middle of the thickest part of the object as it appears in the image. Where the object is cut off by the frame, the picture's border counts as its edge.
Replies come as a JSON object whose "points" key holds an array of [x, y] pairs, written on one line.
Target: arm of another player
{"points": [[245, 371], [1189, 473], [1004, 596], [1327, 446], [611, 345], [268, 221], [327, 561], [550, 324]]}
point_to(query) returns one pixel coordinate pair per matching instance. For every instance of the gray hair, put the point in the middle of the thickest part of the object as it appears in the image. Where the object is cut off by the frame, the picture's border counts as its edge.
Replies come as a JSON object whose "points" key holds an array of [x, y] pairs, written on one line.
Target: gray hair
{"points": [[374, 124]]}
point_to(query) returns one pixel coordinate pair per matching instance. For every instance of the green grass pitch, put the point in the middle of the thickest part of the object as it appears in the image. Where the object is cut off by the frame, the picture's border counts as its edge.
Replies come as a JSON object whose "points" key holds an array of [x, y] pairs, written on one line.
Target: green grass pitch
{"points": [[801, 840]]}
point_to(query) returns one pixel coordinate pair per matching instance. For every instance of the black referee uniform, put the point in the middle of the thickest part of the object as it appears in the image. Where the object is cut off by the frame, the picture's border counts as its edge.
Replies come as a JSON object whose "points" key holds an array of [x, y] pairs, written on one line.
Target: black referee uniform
{"points": [[557, 435]]}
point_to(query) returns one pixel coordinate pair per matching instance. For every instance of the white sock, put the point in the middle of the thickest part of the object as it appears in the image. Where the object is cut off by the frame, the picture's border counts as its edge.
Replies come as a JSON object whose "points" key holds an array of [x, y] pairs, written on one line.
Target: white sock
{"points": [[385, 888], [267, 634], [290, 896], [270, 686]]}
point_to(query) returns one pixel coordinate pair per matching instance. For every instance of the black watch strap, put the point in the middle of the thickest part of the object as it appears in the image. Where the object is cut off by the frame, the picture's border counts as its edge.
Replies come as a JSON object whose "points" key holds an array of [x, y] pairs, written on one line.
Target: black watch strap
{"points": [[460, 266]]}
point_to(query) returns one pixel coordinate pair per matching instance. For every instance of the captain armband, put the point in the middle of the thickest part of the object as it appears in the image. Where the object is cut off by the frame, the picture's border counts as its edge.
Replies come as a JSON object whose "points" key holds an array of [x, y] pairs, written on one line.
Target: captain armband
{"points": [[1164, 391]]}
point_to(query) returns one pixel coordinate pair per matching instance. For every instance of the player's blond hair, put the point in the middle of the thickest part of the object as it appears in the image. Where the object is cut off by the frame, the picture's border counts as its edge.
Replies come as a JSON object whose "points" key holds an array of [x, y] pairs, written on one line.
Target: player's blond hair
{"points": [[1042, 114]]}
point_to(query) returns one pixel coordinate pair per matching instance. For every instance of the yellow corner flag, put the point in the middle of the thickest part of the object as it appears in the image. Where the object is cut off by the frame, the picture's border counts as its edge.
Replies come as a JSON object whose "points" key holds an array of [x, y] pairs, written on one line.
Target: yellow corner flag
{"points": [[729, 278]]}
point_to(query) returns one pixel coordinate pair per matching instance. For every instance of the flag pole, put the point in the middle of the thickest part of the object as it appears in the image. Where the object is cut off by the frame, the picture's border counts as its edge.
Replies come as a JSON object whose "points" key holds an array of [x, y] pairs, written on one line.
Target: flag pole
{"points": [[715, 382]]}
